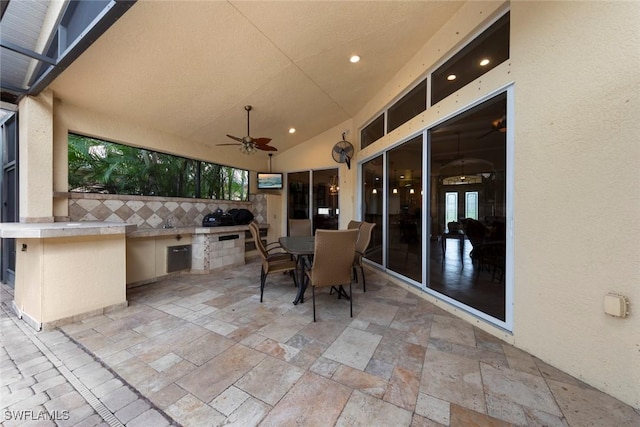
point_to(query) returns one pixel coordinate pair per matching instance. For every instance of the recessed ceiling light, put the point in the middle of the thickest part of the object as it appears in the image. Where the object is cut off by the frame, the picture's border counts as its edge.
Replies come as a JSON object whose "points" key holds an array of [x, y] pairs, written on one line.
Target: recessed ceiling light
{"points": [[292, 130], [484, 62], [451, 77], [354, 59]]}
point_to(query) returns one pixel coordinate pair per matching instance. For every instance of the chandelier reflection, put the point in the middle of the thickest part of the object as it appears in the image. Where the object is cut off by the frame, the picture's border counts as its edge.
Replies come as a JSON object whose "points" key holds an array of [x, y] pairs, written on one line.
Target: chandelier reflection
{"points": [[334, 188]]}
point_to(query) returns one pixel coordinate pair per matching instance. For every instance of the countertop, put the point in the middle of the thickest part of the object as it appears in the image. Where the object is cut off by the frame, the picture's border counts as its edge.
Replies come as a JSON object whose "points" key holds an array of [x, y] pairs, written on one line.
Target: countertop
{"points": [[21, 230], [36, 230]]}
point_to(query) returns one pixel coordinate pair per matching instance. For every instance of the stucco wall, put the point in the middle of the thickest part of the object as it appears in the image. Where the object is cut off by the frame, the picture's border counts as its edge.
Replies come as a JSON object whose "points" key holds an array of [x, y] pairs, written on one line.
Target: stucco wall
{"points": [[48, 290], [35, 151], [577, 197]]}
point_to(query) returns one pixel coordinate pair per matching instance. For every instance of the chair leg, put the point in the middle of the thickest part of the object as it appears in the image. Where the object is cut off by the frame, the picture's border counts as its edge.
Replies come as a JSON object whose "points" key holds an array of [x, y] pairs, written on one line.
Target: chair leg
{"points": [[350, 300], [364, 282], [263, 278], [313, 295]]}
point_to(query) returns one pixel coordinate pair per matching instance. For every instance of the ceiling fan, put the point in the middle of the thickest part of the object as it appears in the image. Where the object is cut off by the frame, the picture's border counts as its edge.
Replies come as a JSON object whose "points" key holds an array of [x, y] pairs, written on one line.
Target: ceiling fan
{"points": [[498, 125], [248, 144]]}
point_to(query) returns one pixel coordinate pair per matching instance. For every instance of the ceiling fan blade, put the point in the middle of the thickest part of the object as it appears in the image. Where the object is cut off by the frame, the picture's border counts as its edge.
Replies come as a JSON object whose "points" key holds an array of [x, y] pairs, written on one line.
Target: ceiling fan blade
{"points": [[266, 148], [487, 133], [227, 144], [262, 141], [235, 138]]}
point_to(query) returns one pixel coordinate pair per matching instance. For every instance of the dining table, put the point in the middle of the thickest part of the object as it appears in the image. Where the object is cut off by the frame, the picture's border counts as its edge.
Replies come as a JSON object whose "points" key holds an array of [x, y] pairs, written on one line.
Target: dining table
{"points": [[301, 248]]}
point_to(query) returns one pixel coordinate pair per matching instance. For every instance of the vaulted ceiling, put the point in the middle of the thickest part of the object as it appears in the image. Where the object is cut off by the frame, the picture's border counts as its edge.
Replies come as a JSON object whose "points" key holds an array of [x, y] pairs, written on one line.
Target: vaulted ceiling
{"points": [[189, 67]]}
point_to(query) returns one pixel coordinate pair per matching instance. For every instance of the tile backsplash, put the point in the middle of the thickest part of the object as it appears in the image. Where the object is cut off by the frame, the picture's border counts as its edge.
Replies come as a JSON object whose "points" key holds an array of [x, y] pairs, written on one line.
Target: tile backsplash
{"points": [[153, 212]]}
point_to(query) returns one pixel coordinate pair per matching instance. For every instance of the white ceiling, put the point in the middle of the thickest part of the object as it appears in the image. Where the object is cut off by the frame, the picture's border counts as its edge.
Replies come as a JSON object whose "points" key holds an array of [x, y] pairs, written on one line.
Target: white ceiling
{"points": [[189, 67]]}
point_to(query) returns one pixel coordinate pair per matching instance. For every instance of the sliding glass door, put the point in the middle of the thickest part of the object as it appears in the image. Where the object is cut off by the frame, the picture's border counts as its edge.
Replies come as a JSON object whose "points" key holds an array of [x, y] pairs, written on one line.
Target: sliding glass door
{"points": [[404, 209], [373, 187], [325, 199], [454, 242], [468, 207], [314, 195]]}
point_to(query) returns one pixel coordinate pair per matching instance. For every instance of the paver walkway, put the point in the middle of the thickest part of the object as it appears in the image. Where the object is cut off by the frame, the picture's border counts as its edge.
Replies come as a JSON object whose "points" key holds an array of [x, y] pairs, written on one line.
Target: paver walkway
{"points": [[47, 379]]}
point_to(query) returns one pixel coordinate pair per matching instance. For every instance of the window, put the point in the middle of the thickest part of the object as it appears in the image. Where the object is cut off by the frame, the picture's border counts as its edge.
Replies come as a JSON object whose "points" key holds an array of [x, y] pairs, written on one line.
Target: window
{"points": [[409, 106], [485, 52], [372, 132], [450, 208], [97, 166], [471, 204]]}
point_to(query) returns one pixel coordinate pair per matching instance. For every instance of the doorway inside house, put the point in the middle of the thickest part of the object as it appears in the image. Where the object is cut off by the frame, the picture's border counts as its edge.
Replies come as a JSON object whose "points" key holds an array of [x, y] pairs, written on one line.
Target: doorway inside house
{"points": [[9, 194]]}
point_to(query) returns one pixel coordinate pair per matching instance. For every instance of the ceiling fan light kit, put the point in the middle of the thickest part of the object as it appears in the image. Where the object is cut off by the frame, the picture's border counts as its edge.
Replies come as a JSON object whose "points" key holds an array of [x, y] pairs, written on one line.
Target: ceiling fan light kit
{"points": [[248, 144]]}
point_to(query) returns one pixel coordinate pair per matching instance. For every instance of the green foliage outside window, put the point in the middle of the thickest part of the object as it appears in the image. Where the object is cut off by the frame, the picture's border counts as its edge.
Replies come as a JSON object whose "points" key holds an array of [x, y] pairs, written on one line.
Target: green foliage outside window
{"points": [[106, 167]]}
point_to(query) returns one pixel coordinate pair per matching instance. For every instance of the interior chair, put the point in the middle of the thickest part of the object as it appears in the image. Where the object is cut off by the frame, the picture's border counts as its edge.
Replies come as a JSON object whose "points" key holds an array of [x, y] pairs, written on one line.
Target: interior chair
{"points": [[300, 227], [364, 237], [476, 232], [354, 224], [272, 263], [334, 251], [488, 248]]}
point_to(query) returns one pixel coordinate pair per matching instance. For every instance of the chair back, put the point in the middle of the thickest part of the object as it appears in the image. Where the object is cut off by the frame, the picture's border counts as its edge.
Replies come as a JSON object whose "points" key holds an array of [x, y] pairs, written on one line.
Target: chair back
{"points": [[354, 224], [255, 232], [364, 237], [300, 227], [333, 257], [474, 230]]}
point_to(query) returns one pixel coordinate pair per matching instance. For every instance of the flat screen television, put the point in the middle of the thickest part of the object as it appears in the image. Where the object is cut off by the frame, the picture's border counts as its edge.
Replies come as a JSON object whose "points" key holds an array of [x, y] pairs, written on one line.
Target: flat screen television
{"points": [[269, 181]]}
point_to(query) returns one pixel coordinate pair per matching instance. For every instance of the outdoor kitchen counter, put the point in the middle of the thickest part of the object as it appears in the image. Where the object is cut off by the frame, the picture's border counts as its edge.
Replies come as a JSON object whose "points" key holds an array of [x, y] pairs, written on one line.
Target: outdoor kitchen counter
{"points": [[67, 270], [153, 253], [19, 230]]}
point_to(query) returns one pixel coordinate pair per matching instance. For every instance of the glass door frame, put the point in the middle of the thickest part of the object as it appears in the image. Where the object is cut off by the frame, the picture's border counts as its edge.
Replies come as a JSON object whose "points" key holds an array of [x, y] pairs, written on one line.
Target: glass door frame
{"points": [[310, 200], [507, 324]]}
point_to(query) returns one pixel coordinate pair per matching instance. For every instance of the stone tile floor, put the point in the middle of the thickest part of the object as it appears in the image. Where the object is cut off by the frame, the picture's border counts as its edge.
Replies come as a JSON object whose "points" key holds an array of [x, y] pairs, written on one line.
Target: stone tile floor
{"points": [[201, 350]]}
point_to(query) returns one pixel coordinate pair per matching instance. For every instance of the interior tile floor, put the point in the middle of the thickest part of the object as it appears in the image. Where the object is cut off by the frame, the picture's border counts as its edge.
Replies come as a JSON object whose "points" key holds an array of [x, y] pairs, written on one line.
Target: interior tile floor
{"points": [[201, 350]]}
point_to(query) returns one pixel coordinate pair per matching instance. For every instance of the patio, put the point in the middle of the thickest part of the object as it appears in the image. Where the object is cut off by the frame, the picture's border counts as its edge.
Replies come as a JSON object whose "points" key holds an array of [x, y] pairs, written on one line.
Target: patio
{"points": [[202, 350]]}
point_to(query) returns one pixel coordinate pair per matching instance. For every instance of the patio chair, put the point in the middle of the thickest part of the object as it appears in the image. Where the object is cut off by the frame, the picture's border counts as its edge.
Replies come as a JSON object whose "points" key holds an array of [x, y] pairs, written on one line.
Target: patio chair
{"points": [[300, 227], [272, 263], [354, 224], [364, 237], [334, 251], [271, 248]]}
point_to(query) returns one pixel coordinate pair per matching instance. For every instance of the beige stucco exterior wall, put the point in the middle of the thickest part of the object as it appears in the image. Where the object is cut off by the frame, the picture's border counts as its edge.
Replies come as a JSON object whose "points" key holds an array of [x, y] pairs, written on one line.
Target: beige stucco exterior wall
{"points": [[49, 290], [577, 190], [574, 73], [35, 153]]}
